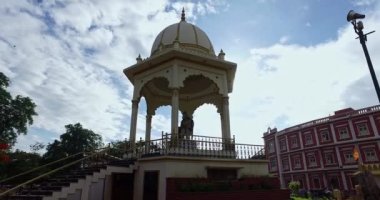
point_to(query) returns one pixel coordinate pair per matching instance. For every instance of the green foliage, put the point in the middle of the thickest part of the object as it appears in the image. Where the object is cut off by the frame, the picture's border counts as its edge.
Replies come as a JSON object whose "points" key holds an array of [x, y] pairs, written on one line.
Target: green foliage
{"points": [[294, 186], [36, 147], [54, 151], [21, 161], [15, 113], [76, 139], [117, 148]]}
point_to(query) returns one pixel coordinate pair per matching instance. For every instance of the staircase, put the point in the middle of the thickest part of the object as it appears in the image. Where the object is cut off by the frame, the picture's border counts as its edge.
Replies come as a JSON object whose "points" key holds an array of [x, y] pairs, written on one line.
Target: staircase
{"points": [[71, 184]]}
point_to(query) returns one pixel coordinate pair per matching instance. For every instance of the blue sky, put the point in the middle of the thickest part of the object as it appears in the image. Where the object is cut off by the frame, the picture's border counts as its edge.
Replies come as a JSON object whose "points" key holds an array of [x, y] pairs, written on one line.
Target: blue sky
{"points": [[298, 60]]}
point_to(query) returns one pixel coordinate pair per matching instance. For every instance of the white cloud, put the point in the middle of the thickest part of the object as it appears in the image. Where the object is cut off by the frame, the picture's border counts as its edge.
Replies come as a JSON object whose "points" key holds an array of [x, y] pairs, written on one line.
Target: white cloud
{"points": [[68, 57], [363, 2], [286, 84], [69, 60], [284, 39], [192, 10]]}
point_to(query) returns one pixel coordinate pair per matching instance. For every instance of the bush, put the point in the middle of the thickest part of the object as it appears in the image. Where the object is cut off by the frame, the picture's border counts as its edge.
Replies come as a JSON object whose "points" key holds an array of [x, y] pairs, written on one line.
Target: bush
{"points": [[294, 186], [303, 193]]}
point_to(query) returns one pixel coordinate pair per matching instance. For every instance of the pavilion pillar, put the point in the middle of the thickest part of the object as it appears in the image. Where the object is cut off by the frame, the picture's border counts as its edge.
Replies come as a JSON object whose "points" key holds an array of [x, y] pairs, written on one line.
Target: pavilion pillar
{"points": [[226, 118], [222, 125], [175, 108], [133, 126], [148, 127]]}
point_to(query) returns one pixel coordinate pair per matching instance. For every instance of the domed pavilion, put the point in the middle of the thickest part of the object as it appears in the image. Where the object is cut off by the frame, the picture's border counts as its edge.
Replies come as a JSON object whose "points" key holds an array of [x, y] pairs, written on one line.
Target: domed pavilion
{"points": [[184, 72]]}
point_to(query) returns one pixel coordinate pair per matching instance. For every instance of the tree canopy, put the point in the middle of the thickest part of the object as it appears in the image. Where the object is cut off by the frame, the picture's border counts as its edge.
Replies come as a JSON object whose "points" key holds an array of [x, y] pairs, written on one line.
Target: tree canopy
{"points": [[76, 139], [15, 113], [21, 161]]}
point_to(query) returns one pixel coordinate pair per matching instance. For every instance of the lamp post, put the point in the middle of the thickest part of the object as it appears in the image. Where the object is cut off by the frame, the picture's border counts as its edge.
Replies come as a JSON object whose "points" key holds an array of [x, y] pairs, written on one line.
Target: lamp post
{"points": [[358, 27]]}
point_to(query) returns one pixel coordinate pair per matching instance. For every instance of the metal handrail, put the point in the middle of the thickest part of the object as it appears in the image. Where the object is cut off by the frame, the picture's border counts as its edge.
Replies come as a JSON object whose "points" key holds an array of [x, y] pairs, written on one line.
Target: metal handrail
{"points": [[37, 168], [51, 172], [40, 167], [200, 136]]}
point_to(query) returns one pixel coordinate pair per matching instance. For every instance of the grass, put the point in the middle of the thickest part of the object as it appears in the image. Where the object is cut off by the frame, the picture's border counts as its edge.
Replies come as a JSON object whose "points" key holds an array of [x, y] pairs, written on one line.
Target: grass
{"points": [[300, 198]]}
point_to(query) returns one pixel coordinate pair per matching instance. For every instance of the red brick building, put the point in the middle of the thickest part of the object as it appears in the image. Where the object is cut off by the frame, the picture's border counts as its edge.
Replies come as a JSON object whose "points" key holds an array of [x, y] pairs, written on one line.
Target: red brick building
{"points": [[319, 153]]}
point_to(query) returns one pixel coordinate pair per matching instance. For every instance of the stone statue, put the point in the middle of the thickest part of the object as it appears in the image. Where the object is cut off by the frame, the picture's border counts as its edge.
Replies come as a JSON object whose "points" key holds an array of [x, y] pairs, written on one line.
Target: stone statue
{"points": [[187, 125]]}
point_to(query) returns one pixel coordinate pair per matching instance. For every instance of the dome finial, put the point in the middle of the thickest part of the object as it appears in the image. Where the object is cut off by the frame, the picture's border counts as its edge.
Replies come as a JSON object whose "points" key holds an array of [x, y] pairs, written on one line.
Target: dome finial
{"points": [[221, 54], [183, 14], [139, 59]]}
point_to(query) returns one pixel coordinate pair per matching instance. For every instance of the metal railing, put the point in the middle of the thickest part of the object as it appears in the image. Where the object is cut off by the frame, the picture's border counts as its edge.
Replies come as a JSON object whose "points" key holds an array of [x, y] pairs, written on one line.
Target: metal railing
{"points": [[195, 145], [94, 158]]}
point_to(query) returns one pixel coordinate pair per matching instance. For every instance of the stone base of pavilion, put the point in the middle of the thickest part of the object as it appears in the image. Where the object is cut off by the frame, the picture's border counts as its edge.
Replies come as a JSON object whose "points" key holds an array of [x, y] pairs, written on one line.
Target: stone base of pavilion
{"points": [[193, 157], [191, 167]]}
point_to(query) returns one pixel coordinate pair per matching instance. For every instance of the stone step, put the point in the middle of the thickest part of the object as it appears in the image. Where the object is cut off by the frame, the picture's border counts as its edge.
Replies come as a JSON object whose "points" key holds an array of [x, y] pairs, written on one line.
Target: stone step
{"points": [[26, 197], [123, 163], [58, 180], [37, 192], [46, 187]]}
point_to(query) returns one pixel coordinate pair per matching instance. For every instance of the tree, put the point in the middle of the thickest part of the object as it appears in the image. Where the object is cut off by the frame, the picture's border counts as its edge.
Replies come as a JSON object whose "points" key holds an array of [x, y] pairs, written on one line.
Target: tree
{"points": [[15, 113], [54, 151], [294, 186], [20, 161], [117, 148], [76, 139], [36, 147]]}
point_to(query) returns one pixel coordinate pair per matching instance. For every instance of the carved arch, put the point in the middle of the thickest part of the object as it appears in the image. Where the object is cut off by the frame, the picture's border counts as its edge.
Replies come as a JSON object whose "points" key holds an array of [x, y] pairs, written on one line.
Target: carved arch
{"points": [[217, 78], [192, 106], [141, 82]]}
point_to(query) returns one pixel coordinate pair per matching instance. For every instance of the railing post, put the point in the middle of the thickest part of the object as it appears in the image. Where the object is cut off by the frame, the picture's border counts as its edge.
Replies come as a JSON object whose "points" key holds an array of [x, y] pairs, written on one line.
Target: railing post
{"points": [[139, 149], [125, 148], [147, 146], [166, 144]]}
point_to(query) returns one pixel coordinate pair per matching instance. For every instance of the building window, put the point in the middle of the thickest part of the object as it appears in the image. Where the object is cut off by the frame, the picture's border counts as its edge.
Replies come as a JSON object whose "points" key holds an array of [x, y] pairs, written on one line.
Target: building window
{"points": [[297, 162], [363, 129], [316, 183], [343, 133], [312, 160], [294, 142], [325, 136], [334, 182], [348, 157], [329, 157], [308, 139], [283, 145], [271, 146], [370, 155], [285, 164], [273, 164]]}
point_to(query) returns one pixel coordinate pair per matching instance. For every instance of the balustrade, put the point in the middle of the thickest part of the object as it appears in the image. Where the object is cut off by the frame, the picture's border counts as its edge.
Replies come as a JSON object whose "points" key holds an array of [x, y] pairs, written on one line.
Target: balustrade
{"points": [[196, 145]]}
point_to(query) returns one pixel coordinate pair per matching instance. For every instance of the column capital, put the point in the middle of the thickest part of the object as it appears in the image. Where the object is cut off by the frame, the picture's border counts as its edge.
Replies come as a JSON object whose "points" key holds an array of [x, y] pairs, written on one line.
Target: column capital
{"points": [[148, 116], [135, 101], [175, 91]]}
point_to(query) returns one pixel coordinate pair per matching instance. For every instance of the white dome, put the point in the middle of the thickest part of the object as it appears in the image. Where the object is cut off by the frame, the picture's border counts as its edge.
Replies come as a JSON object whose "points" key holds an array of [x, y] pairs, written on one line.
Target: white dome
{"points": [[188, 36]]}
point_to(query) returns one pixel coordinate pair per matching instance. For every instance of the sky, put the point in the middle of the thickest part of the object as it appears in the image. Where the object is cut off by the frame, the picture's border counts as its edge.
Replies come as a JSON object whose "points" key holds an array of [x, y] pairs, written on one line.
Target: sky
{"points": [[297, 60]]}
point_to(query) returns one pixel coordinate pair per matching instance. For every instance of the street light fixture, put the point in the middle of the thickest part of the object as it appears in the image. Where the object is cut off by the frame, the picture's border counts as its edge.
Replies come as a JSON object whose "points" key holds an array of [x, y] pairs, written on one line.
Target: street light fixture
{"points": [[358, 27]]}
